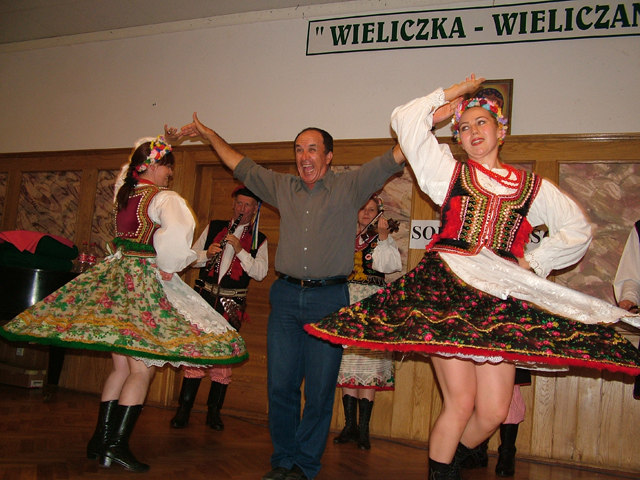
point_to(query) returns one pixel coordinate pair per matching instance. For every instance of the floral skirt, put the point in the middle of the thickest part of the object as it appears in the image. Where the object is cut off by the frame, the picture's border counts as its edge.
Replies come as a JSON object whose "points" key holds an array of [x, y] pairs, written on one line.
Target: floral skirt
{"points": [[431, 311], [121, 306], [362, 367]]}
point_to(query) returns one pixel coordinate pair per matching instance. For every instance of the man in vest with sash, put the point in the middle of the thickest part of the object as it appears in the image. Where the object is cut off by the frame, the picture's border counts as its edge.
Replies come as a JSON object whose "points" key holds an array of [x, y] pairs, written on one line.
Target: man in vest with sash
{"points": [[230, 254]]}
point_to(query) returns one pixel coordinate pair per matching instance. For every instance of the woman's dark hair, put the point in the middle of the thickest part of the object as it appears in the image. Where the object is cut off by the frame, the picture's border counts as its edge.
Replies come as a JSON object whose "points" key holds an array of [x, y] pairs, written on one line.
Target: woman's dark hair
{"points": [[138, 157]]}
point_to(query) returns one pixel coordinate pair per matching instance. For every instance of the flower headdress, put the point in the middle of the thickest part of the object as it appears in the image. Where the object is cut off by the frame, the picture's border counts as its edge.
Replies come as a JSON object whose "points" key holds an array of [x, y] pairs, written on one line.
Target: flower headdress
{"points": [[489, 105], [159, 148]]}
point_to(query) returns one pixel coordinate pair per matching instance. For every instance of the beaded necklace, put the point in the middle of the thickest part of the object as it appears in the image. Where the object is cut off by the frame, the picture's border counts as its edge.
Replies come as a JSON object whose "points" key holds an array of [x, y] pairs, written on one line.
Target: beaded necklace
{"points": [[505, 181]]}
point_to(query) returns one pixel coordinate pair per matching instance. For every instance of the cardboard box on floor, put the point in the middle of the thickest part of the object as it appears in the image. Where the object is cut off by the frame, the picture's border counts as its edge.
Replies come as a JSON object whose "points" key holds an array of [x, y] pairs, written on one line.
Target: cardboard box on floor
{"points": [[21, 376], [23, 354]]}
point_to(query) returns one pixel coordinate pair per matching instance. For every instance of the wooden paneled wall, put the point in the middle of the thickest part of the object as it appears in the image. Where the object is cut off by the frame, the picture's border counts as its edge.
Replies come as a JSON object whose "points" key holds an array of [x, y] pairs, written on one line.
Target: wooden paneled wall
{"points": [[581, 417]]}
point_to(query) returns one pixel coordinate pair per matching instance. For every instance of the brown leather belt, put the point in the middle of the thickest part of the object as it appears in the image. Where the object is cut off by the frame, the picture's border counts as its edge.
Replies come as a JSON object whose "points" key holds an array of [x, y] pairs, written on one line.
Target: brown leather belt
{"points": [[311, 283]]}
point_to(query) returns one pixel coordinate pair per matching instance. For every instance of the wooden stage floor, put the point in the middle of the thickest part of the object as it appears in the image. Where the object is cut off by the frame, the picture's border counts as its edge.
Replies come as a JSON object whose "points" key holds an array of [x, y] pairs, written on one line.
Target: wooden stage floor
{"points": [[47, 441]]}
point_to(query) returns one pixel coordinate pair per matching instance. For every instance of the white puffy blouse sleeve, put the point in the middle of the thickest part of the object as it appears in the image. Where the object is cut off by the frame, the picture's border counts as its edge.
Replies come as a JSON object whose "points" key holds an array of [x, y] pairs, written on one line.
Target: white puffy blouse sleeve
{"points": [[258, 267], [432, 163], [172, 241], [570, 232], [386, 256], [201, 252]]}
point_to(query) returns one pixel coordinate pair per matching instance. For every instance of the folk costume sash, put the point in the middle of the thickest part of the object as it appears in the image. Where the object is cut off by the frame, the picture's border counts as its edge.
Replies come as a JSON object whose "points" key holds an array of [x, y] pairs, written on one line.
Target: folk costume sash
{"points": [[234, 276], [473, 217]]}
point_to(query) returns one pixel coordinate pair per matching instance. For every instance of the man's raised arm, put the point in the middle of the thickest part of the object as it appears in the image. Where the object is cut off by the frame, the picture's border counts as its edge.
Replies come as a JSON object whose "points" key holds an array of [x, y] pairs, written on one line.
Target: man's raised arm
{"points": [[229, 155]]}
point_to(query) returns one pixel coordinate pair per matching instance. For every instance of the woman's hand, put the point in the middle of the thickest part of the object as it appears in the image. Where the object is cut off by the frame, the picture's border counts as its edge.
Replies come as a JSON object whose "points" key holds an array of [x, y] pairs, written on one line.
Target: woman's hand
{"points": [[629, 306], [383, 228], [171, 133], [460, 89], [445, 111], [524, 264], [165, 276]]}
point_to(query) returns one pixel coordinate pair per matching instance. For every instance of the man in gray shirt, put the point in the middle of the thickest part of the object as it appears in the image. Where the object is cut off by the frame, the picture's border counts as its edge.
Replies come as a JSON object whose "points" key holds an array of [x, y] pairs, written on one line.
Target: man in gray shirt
{"points": [[318, 217]]}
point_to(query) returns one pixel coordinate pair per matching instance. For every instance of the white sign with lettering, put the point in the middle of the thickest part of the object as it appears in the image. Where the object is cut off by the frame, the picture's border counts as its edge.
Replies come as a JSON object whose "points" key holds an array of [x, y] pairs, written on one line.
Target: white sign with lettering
{"points": [[487, 25], [422, 231]]}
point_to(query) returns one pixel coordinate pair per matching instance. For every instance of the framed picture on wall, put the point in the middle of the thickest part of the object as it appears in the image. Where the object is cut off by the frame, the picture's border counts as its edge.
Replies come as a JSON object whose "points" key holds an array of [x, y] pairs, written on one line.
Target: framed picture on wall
{"points": [[500, 91]]}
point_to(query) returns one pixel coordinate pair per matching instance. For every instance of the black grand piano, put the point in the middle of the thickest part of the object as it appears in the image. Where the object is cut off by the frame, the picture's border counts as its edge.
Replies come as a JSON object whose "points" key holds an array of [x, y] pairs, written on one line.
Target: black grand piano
{"points": [[22, 287]]}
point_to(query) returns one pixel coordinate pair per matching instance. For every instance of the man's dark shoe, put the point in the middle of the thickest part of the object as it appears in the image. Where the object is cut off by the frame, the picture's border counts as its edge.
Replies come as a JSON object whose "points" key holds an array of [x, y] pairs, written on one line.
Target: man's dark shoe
{"points": [[278, 473], [296, 473]]}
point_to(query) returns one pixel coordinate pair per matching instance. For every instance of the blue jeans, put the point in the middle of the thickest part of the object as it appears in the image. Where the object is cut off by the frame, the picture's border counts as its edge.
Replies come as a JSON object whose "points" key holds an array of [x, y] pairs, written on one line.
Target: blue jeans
{"points": [[294, 355]]}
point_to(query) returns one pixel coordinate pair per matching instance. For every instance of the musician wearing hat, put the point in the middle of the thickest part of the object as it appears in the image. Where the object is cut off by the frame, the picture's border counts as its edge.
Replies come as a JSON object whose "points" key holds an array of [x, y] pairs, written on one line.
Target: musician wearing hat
{"points": [[230, 254]]}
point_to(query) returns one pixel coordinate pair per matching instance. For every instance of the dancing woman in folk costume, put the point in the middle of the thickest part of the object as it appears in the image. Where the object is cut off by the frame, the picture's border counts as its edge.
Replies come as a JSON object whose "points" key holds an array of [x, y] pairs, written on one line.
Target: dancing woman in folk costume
{"points": [[476, 302], [134, 305], [364, 371]]}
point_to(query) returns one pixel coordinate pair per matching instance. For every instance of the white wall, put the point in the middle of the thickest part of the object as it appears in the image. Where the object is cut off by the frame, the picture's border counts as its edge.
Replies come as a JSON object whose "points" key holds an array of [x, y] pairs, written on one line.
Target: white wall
{"points": [[253, 83]]}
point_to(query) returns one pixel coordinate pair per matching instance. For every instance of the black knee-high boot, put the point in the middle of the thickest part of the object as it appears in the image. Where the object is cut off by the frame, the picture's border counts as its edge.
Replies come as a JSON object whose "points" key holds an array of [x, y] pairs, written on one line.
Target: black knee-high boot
{"points": [[350, 431], [365, 406], [443, 471], [188, 394], [97, 442], [506, 466], [215, 402], [117, 445], [468, 458]]}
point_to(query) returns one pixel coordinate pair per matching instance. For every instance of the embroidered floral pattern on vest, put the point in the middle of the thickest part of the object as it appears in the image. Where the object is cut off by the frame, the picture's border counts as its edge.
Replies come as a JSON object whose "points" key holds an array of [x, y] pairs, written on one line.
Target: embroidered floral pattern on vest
{"points": [[473, 217], [133, 222], [363, 271]]}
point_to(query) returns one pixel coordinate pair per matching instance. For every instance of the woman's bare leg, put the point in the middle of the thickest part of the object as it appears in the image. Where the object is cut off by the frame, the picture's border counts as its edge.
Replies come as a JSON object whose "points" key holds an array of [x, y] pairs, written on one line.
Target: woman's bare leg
{"points": [[457, 379], [494, 390], [135, 388], [117, 377]]}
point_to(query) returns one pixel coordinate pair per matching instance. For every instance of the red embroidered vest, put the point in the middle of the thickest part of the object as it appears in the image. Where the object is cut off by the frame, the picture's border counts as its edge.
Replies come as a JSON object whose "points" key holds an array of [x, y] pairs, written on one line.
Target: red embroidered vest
{"points": [[235, 277], [473, 217], [133, 223]]}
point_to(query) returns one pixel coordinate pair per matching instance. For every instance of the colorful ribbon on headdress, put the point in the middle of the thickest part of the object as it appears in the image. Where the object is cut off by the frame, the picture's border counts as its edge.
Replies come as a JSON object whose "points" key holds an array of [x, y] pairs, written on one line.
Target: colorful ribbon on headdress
{"points": [[254, 233], [489, 105], [159, 148]]}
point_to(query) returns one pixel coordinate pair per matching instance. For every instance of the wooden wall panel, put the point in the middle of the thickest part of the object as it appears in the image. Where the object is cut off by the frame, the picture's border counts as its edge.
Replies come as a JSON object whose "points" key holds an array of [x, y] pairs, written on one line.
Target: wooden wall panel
{"points": [[579, 417]]}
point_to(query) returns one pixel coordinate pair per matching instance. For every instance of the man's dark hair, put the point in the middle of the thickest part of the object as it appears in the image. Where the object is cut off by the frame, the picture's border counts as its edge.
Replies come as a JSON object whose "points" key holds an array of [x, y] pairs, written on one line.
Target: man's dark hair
{"points": [[327, 139]]}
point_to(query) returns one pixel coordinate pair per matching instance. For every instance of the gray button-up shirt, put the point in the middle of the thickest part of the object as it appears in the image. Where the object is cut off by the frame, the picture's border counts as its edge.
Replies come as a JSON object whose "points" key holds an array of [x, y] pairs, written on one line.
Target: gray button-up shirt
{"points": [[317, 226]]}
